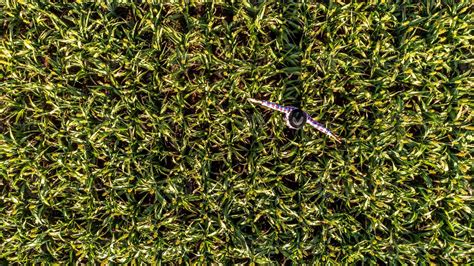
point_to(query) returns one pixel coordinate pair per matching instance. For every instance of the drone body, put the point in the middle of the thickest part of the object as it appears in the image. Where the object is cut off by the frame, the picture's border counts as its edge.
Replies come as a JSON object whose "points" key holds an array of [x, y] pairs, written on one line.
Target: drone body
{"points": [[296, 118]]}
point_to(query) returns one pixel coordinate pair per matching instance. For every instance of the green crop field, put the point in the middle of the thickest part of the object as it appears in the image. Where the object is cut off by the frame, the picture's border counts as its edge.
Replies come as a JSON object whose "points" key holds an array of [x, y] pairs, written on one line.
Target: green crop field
{"points": [[126, 135]]}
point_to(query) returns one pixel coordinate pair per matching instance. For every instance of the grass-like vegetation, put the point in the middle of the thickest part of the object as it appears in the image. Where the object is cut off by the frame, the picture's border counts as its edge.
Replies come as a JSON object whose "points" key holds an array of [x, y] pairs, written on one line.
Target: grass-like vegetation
{"points": [[126, 134]]}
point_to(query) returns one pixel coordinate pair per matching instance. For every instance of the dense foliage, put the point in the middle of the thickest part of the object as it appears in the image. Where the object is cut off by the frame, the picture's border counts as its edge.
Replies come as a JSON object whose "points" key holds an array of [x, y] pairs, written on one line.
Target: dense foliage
{"points": [[126, 134]]}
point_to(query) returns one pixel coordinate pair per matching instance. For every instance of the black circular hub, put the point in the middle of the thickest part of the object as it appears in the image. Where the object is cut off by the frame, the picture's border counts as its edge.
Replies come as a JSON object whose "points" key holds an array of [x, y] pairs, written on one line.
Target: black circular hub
{"points": [[297, 118]]}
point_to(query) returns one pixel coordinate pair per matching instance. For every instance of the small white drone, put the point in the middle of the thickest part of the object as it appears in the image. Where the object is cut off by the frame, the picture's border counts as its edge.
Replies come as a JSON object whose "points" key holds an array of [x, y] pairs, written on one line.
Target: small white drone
{"points": [[296, 118]]}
